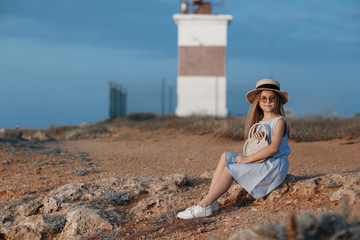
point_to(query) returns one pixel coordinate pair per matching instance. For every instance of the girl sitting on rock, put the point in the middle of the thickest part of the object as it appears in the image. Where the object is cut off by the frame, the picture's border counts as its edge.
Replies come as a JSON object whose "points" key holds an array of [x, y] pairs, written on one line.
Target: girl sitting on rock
{"points": [[258, 179]]}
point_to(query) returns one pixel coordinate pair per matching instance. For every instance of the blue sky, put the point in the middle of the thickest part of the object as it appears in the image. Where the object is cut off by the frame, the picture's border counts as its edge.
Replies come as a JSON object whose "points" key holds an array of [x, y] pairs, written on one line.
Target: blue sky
{"points": [[57, 57]]}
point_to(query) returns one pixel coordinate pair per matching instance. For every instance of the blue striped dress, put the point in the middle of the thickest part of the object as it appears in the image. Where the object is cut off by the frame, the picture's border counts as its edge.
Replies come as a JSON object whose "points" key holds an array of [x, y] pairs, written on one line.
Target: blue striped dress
{"points": [[259, 179]]}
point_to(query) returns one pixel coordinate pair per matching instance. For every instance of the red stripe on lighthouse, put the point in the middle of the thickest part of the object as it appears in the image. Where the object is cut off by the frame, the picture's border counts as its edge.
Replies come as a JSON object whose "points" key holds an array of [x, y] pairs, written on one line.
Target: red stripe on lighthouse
{"points": [[202, 61]]}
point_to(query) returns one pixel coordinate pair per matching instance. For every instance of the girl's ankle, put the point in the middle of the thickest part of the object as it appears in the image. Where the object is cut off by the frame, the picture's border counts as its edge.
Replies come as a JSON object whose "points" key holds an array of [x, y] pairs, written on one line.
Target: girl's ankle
{"points": [[202, 204]]}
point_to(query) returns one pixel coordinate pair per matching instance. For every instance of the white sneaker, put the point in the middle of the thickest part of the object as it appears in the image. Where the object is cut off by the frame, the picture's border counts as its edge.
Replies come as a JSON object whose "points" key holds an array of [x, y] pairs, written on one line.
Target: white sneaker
{"points": [[195, 212], [215, 206]]}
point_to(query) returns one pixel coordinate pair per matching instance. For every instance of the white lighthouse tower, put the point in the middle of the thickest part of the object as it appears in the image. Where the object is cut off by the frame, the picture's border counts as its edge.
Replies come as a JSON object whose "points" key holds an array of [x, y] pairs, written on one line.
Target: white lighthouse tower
{"points": [[201, 82]]}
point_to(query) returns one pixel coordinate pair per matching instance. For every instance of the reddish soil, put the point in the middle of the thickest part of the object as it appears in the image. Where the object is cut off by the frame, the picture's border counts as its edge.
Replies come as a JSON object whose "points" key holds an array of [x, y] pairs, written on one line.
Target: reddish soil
{"points": [[25, 172]]}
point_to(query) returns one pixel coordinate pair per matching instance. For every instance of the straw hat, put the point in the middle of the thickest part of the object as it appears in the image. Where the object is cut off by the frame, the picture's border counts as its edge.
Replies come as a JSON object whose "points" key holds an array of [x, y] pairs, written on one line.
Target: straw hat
{"points": [[267, 84]]}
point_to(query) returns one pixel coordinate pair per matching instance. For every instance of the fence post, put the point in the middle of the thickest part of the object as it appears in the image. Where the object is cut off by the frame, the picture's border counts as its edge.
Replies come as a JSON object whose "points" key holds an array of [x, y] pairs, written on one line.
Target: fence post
{"points": [[116, 101], [123, 101], [111, 107], [170, 100], [162, 97]]}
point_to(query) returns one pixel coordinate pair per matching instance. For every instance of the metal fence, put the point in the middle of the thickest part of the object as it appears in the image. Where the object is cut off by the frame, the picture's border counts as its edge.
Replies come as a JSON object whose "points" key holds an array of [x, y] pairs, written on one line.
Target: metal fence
{"points": [[160, 97], [117, 100]]}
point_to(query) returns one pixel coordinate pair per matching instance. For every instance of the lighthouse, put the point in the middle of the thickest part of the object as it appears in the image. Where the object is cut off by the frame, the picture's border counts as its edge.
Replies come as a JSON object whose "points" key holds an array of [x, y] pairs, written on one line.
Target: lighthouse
{"points": [[201, 81]]}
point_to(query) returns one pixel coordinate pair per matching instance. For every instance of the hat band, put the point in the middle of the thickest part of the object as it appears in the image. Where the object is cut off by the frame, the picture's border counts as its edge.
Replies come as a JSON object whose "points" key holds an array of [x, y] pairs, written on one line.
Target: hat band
{"points": [[271, 86]]}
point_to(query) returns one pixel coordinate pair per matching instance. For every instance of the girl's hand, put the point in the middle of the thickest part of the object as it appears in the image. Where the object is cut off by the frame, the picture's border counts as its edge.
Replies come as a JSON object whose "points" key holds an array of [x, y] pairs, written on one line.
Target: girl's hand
{"points": [[241, 159], [258, 135]]}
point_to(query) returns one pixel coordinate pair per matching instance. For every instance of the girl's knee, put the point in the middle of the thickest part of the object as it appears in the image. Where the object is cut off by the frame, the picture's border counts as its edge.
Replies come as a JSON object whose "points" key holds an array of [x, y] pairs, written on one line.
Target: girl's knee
{"points": [[227, 172]]}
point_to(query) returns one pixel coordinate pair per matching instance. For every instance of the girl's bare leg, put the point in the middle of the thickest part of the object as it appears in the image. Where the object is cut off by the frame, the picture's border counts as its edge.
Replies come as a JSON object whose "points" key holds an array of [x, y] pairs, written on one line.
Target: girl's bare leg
{"points": [[219, 187], [218, 171]]}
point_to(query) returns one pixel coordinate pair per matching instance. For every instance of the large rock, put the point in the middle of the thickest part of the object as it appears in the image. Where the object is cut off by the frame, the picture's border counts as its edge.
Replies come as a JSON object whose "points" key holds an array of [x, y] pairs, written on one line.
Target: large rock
{"points": [[83, 221], [340, 186], [82, 210], [34, 227], [336, 187]]}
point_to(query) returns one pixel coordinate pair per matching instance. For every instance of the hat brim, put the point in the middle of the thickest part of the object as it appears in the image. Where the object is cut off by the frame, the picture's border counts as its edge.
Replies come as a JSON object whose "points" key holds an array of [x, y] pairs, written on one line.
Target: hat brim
{"points": [[250, 96]]}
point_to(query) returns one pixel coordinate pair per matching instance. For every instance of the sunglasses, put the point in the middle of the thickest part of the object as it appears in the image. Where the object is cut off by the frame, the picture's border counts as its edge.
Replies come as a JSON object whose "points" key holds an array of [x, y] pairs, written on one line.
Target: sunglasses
{"points": [[264, 99]]}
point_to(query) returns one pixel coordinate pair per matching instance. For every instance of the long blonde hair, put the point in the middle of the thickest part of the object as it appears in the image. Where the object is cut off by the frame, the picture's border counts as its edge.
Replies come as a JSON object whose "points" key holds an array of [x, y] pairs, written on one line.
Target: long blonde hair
{"points": [[255, 114]]}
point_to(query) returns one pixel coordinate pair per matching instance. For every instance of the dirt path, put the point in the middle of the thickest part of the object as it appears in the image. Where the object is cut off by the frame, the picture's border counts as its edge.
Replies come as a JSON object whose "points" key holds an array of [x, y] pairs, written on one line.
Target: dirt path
{"points": [[135, 152]]}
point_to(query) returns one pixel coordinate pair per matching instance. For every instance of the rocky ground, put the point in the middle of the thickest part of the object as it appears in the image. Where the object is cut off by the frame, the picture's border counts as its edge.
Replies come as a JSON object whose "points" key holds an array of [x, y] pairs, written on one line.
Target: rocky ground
{"points": [[109, 182]]}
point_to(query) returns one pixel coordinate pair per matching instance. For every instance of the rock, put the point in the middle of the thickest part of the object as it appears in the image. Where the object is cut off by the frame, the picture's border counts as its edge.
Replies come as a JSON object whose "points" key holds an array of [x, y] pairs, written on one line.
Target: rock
{"points": [[74, 134], [40, 136], [85, 132], [178, 179], [52, 204], [116, 198], [350, 194], [81, 172], [281, 190], [84, 125], [326, 226], [335, 180], [207, 174], [83, 221], [83, 210], [308, 186], [232, 195], [27, 137], [36, 227], [51, 151], [44, 224], [70, 192]]}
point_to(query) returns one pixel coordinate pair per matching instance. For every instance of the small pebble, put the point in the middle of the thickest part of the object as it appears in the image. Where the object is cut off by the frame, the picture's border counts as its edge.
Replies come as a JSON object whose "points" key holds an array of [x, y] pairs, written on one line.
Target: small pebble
{"points": [[81, 172]]}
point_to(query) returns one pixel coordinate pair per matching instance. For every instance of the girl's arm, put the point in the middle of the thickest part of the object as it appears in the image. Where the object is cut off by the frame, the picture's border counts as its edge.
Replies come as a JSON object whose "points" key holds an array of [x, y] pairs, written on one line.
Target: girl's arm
{"points": [[279, 132]]}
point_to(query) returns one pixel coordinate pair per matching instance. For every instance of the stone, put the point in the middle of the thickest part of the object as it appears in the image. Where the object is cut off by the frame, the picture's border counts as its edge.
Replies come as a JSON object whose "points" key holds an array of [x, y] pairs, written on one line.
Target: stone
{"points": [[36, 227], [232, 195], [71, 192], [84, 125], [116, 198], [51, 205], [82, 210], [81, 172], [83, 221], [39, 135], [207, 174], [51, 151], [85, 132], [178, 179], [306, 187], [350, 194]]}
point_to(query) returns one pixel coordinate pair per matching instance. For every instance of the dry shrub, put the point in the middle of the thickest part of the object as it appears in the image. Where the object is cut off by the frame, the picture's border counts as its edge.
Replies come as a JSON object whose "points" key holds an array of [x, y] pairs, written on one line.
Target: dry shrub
{"points": [[326, 226], [231, 127], [302, 129], [320, 129], [141, 116]]}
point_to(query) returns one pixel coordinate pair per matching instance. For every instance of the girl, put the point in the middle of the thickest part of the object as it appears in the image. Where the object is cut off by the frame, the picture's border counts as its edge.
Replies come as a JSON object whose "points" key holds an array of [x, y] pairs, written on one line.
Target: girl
{"points": [[259, 179]]}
